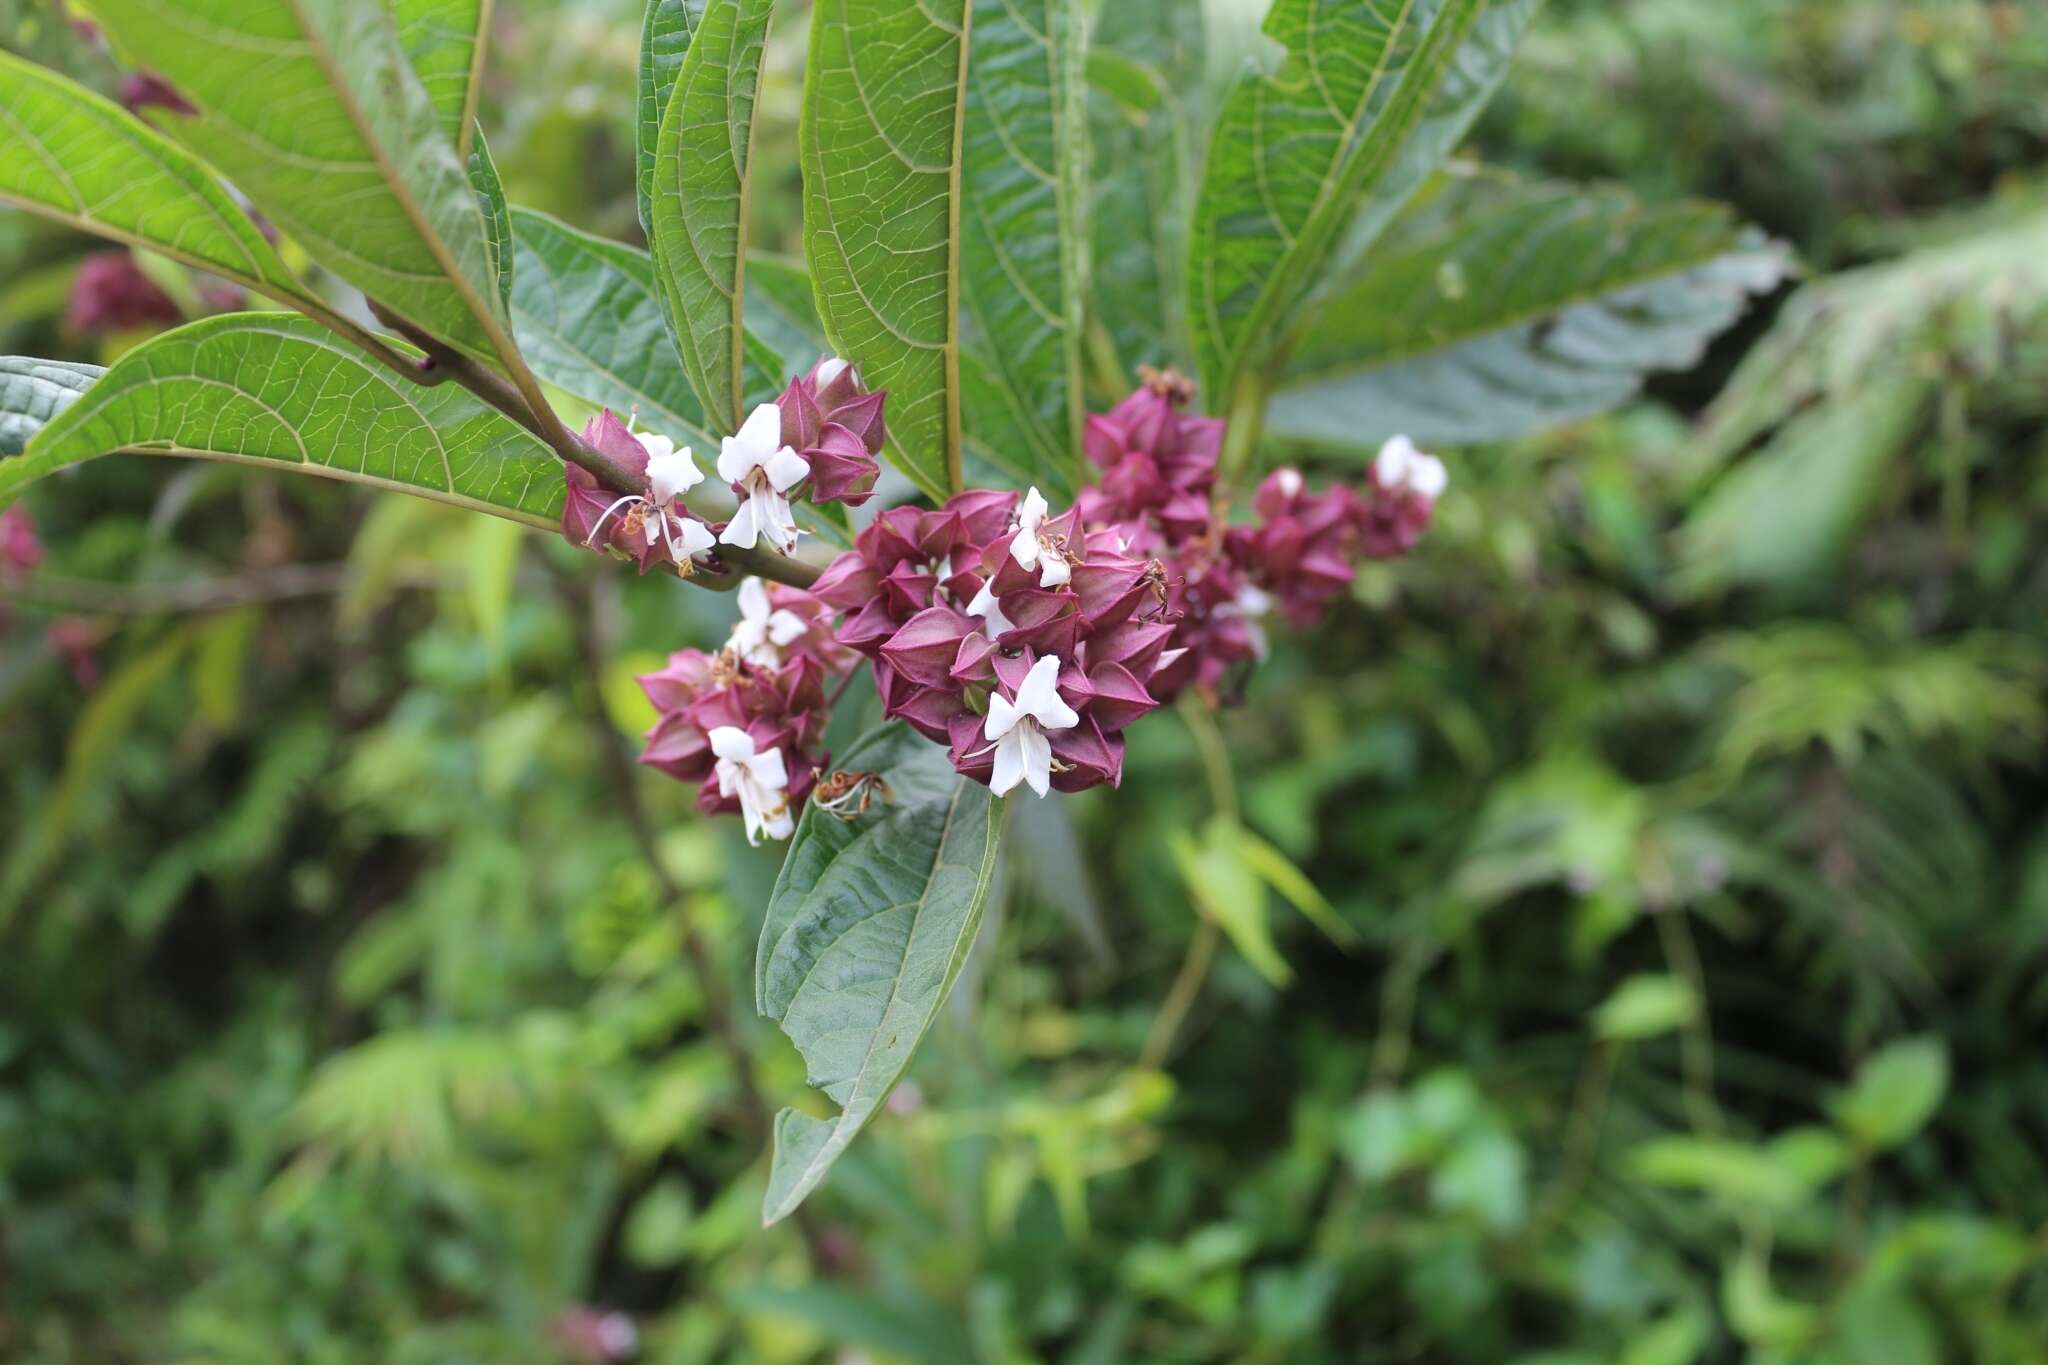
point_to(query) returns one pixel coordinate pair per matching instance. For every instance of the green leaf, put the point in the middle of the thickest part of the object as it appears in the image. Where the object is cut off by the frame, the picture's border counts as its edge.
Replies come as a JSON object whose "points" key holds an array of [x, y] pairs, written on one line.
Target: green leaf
{"points": [[1896, 1091], [276, 389], [665, 38], [589, 322], [68, 154], [1496, 309], [1231, 893], [880, 147], [32, 392], [864, 936], [1295, 155], [313, 111], [701, 188], [1023, 237], [444, 41], [1643, 1007], [781, 311], [490, 197], [1144, 55]]}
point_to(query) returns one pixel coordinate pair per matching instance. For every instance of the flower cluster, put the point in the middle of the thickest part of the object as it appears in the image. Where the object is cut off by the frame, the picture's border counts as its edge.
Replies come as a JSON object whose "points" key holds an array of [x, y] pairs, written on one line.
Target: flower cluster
{"points": [[822, 433], [20, 548], [110, 293], [1026, 642], [748, 721]]}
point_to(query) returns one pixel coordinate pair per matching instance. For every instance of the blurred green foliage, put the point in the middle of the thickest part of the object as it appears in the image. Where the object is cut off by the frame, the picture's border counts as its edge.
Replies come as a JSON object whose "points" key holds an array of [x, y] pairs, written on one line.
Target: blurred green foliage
{"points": [[1629, 916]]}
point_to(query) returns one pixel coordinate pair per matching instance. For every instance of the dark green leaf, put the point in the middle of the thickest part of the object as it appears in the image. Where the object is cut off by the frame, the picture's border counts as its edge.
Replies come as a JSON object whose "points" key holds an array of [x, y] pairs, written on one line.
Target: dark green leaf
{"points": [[865, 934], [700, 200], [781, 311], [880, 146], [1023, 242], [1500, 308], [278, 390]]}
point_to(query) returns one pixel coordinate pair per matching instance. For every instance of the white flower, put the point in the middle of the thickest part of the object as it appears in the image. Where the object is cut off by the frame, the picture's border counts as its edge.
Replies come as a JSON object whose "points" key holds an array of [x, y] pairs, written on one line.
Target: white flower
{"points": [[1252, 605], [759, 780], [764, 470], [671, 469], [985, 605], [1032, 553], [1017, 729], [1400, 465], [763, 630], [685, 536]]}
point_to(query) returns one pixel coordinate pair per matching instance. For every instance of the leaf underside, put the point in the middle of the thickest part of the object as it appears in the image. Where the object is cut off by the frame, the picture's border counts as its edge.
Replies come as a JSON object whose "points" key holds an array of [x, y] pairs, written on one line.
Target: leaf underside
{"points": [[864, 937], [664, 41], [32, 392], [1501, 309], [442, 39], [279, 390], [879, 144]]}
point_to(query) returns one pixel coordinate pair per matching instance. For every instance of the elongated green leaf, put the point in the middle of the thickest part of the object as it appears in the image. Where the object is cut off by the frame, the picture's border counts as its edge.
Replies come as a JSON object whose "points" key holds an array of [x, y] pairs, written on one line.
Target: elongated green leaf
{"points": [[880, 146], [32, 392], [869, 924], [700, 199], [1468, 84], [276, 389], [589, 321], [1023, 242], [311, 108], [490, 197], [68, 154], [444, 41], [1499, 308], [665, 38], [1295, 155]]}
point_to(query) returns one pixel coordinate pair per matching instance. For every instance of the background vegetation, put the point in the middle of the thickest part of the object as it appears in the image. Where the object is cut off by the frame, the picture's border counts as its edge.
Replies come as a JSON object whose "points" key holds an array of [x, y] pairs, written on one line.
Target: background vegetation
{"points": [[1679, 811]]}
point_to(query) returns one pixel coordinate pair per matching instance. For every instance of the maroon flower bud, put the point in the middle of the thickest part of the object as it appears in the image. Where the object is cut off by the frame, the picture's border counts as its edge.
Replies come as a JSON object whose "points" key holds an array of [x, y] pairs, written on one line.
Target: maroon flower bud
{"points": [[923, 650], [111, 294], [838, 429], [145, 89], [19, 547]]}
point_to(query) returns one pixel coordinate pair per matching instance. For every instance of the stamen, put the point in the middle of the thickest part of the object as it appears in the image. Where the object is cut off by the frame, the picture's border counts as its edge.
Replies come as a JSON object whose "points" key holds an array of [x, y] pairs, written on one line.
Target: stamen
{"points": [[591, 539]]}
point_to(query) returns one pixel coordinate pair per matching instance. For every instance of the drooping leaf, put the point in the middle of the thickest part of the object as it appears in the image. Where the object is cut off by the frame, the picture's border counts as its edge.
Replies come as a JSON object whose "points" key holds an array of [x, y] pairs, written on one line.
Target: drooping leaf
{"points": [[701, 188], [868, 927], [1297, 152], [880, 147], [1897, 1090], [313, 111], [444, 41], [589, 321], [1497, 309], [665, 38], [71, 155], [278, 390], [490, 197], [1023, 237], [32, 392]]}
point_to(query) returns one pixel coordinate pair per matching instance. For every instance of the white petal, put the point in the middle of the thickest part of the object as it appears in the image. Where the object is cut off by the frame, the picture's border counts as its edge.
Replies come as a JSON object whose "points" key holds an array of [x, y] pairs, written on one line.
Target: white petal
{"points": [[994, 624], [762, 431], [831, 368], [1428, 477], [784, 626], [732, 744], [1290, 482], [1390, 466], [1024, 548], [693, 538], [1053, 569], [785, 468], [1253, 601], [734, 463], [670, 475], [656, 445], [1037, 758], [1002, 717], [753, 596], [1009, 763], [1033, 511], [1040, 685], [779, 824], [741, 530], [767, 769], [771, 514]]}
